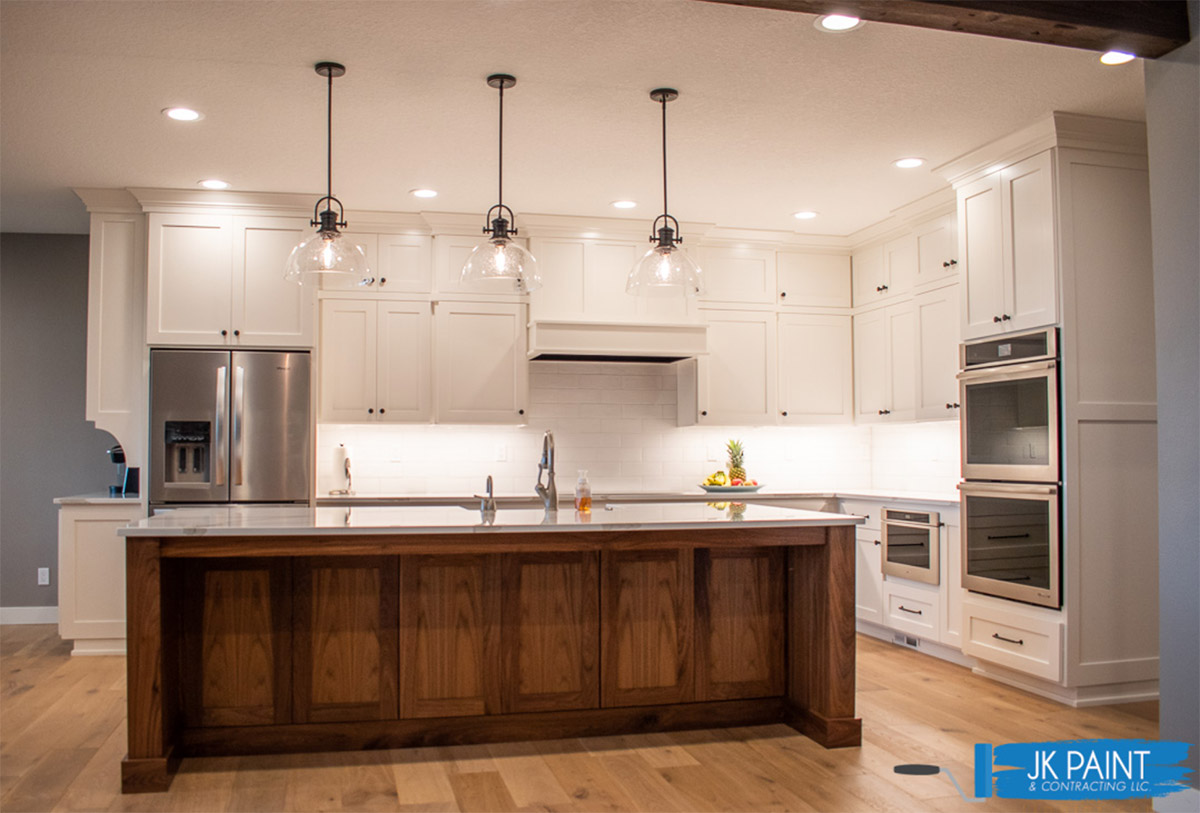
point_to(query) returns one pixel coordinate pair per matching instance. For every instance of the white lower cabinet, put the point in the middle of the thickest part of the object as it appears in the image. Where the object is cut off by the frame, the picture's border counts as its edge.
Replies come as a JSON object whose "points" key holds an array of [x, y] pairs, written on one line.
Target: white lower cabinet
{"points": [[868, 578], [482, 372], [1011, 636], [91, 575], [816, 369], [952, 592], [912, 608], [375, 361]]}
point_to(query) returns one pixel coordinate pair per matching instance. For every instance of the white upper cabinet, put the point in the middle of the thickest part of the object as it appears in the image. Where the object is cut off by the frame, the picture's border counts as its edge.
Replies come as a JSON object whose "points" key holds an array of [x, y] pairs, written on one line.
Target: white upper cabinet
{"points": [[1007, 247], [482, 370], [937, 250], [885, 351], [404, 359], [899, 265], [736, 381], [450, 252], [218, 280], [734, 275], [348, 360], [816, 371], [813, 280], [869, 275], [399, 263], [937, 361]]}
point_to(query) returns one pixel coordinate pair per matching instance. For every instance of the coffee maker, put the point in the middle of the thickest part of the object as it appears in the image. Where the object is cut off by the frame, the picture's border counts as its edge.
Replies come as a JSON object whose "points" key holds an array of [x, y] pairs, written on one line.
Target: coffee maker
{"points": [[129, 477]]}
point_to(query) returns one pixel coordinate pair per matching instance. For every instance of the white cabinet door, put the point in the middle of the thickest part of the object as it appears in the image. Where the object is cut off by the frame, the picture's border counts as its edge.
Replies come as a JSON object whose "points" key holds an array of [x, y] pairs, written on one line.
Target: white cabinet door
{"points": [[1031, 280], [404, 263], [348, 360], [900, 265], [267, 310], [189, 284], [951, 587], [482, 372], [736, 380], [937, 361], [813, 280], [937, 249], [404, 379], [742, 275], [868, 577], [585, 279], [885, 353], [91, 575], [369, 243], [869, 276], [980, 241], [816, 369], [870, 366]]}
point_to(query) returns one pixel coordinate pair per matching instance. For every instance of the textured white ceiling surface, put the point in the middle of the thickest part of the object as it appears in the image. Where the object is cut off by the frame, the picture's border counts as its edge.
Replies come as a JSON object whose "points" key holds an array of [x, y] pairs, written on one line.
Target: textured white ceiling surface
{"points": [[773, 116]]}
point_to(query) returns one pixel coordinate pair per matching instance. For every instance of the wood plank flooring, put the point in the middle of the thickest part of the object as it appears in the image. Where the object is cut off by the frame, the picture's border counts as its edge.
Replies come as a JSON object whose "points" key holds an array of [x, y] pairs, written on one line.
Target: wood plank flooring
{"points": [[62, 737]]}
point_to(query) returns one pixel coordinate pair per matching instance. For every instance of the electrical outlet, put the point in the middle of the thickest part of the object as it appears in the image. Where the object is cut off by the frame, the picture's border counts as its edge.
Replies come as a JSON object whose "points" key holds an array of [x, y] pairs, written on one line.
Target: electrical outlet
{"points": [[43, 575], [501, 453]]}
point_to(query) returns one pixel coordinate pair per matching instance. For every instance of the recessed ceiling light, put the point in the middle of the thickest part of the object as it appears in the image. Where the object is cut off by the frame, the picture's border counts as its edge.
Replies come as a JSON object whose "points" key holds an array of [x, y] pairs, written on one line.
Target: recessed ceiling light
{"points": [[214, 183], [805, 215], [1116, 58], [182, 113], [908, 163], [624, 204], [837, 23], [423, 193]]}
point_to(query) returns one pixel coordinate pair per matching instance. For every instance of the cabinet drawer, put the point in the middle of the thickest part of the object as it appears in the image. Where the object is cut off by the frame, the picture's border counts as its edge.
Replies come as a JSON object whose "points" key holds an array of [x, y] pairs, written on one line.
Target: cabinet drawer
{"points": [[911, 611], [1029, 645]]}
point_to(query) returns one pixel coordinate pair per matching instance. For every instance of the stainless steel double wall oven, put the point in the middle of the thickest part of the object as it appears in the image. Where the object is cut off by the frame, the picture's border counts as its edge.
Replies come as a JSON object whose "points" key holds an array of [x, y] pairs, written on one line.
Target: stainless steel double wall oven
{"points": [[1008, 388]]}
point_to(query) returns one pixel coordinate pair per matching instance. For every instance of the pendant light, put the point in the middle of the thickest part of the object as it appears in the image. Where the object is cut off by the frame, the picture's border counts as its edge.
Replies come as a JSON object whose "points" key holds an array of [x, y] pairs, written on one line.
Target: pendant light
{"points": [[665, 270], [328, 251], [499, 256]]}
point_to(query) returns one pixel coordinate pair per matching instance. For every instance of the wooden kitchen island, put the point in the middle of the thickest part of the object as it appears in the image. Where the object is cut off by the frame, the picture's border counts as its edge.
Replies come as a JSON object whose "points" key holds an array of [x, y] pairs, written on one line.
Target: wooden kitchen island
{"points": [[282, 629]]}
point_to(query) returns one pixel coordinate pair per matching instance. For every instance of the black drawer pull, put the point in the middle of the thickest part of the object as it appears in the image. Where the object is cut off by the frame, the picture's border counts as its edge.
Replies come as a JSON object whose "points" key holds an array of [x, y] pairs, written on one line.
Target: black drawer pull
{"points": [[914, 612], [877, 542], [999, 637], [1008, 536]]}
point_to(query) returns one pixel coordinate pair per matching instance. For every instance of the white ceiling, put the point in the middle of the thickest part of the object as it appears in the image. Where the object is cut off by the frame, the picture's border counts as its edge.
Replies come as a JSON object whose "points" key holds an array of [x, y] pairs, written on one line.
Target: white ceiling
{"points": [[773, 116]]}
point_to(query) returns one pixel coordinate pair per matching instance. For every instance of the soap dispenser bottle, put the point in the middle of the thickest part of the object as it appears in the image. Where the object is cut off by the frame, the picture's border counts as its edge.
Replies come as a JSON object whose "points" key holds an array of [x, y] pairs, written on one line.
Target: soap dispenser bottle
{"points": [[583, 492]]}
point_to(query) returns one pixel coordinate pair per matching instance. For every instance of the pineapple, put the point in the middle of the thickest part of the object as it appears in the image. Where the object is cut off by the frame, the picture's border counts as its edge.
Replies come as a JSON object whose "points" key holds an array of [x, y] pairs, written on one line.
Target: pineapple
{"points": [[736, 453]]}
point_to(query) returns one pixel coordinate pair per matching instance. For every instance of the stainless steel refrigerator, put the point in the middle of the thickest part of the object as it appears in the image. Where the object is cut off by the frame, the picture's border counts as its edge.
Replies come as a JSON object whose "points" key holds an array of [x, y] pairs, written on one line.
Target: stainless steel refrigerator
{"points": [[229, 426]]}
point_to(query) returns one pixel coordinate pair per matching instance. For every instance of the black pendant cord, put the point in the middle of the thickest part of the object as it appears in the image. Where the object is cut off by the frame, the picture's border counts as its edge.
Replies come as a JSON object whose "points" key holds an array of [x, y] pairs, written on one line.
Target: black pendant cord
{"points": [[500, 160], [329, 145], [664, 151]]}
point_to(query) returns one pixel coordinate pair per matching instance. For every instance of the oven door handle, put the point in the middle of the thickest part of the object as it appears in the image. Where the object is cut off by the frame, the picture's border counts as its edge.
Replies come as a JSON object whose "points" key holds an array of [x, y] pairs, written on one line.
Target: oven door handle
{"points": [[1032, 489], [924, 526], [1007, 372]]}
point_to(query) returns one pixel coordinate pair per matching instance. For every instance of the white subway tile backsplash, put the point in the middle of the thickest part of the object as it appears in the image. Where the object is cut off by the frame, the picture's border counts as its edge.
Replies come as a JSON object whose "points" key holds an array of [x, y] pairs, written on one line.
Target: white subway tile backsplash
{"points": [[618, 421]]}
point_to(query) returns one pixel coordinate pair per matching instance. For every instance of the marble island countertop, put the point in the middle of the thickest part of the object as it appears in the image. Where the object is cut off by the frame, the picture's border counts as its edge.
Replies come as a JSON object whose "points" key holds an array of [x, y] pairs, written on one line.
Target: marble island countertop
{"points": [[298, 520]]}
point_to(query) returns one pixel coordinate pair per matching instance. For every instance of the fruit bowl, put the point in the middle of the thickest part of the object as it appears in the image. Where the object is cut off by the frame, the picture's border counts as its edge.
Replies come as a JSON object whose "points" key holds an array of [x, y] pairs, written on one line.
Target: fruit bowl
{"points": [[730, 489]]}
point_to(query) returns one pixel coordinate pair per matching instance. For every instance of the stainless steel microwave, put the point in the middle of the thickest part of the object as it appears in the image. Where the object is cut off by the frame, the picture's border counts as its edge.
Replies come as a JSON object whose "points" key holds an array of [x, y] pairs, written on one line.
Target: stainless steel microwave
{"points": [[911, 545], [1008, 389]]}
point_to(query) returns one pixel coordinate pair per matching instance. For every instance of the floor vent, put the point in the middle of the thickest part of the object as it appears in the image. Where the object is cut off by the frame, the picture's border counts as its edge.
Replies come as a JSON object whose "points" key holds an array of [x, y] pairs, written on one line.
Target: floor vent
{"points": [[900, 639]]}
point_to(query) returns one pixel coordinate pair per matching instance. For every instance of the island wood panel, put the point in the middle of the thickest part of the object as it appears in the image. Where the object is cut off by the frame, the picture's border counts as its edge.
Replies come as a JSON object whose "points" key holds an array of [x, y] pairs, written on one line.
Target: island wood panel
{"points": [[236, 638], [551, 631], [449, 635], [345, 638], [646, 627], [821, 640], [740, 623]]}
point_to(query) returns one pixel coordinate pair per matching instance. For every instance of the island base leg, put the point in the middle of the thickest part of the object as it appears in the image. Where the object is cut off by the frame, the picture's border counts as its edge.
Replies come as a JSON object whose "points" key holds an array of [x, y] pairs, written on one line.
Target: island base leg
{"points": [[821, 640], [151, 775]]}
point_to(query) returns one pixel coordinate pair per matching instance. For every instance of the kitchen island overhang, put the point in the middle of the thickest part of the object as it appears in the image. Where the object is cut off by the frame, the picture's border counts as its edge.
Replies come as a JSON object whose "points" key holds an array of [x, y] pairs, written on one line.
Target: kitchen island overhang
{"points": [[281, 629]]}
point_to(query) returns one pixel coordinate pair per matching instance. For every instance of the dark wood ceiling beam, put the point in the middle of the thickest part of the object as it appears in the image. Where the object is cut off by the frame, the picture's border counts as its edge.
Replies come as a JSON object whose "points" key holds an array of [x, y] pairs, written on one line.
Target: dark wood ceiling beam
{"points": [[1146, 28]]}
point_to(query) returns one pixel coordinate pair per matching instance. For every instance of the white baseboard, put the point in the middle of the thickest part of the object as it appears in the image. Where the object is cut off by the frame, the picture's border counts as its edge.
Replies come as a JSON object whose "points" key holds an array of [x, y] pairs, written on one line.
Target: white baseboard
{"points": [[1184, 801], [28, 615]]}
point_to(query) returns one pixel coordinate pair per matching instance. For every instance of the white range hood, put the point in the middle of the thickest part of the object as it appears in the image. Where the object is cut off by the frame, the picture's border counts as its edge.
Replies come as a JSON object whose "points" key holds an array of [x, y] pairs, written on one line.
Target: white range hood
{"points": [[551, 339]]}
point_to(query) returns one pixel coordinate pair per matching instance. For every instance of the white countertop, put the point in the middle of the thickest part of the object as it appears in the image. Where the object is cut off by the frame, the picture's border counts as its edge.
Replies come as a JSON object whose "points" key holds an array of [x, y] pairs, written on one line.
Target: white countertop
{"points": [[96, 498], [293, 520], [656, 496]]}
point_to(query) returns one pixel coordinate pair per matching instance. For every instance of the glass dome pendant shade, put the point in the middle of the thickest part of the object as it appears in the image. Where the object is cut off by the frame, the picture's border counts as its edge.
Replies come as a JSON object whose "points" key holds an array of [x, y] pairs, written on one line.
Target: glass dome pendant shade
{"points": [[498, 256], [666, 269], [327, 251]]}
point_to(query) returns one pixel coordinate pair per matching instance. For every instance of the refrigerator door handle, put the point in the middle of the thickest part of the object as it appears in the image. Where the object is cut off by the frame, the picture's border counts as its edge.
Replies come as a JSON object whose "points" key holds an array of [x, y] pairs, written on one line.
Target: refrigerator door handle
{"points": [[239, 420], [221, 420]]}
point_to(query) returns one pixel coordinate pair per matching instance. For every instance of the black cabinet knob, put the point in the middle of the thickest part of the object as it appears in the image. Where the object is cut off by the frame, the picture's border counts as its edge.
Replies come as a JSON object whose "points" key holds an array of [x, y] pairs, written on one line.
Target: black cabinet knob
{"points": [[370, 411], [877, 542], [885, 412], [783, 294], [949, 263], [881, 288], [224, 332], [952, 406], [520, 412], [1005, 317], [784, 413], [383, 280], [995, 318], [382, 410], [704, 412], [237, 333]]}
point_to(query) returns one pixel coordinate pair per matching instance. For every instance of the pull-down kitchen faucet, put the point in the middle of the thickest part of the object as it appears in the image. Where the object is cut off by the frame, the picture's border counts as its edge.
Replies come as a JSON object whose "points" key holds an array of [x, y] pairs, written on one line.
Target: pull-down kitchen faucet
{"points": [[548, 492]]}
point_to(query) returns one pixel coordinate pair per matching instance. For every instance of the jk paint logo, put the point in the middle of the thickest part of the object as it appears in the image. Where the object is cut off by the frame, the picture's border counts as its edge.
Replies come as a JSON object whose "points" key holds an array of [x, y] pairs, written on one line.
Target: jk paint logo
{"points": [[1076, 769]]}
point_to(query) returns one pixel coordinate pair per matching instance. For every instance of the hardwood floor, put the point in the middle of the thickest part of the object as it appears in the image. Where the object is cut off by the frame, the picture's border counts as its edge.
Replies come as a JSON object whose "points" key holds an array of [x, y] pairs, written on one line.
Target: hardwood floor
{"points": [[62, 736]]}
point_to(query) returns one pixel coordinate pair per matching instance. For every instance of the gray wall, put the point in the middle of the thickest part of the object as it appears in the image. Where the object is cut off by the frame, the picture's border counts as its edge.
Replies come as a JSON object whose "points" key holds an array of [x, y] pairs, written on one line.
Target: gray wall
{"points": [[1173, 125], [47, 449]]}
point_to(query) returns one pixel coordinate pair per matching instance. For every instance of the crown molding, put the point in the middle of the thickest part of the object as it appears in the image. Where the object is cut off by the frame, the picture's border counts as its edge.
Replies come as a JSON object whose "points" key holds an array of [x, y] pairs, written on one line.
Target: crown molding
{"points": [[108, 201], [1058, 129]]}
